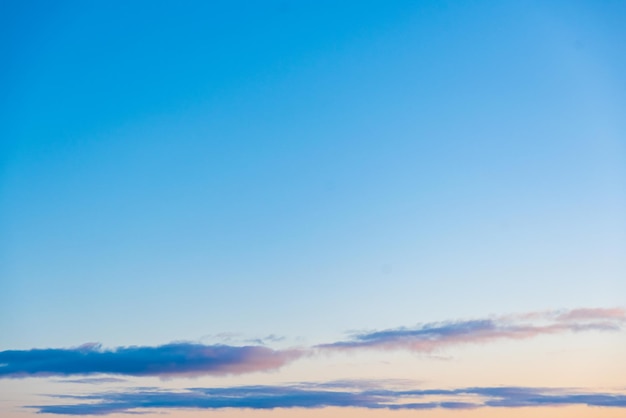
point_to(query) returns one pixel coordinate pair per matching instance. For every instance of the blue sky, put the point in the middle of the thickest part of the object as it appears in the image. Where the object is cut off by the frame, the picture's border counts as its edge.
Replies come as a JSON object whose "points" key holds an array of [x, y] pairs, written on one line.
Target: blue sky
{"points": [[226, 171]]}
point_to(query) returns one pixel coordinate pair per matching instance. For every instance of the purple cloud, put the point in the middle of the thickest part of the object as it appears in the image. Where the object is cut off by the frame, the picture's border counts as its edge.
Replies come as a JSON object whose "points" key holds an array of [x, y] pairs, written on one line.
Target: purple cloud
{"points": [[320, 395], [186, 359], [174, 359], [432, 336]]}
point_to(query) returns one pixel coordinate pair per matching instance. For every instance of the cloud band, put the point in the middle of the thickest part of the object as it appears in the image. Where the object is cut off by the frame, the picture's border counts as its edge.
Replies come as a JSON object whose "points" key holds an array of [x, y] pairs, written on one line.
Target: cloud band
{"points": [[187, 359], [319, 396]]}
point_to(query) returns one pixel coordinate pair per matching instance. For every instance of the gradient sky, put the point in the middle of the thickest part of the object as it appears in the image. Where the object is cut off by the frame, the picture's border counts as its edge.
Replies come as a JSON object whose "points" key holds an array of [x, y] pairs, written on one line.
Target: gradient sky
{"points": [[403, 196]]}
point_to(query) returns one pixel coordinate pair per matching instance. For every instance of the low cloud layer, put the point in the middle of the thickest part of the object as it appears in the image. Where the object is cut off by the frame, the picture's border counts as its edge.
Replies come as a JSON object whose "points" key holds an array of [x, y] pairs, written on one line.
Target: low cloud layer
{"points": [[176, 359], [320, 395], [432, 336], [186, 359]]}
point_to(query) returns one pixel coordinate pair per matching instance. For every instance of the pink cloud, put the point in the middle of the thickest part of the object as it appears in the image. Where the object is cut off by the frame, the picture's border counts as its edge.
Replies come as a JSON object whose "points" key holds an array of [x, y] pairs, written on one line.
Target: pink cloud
{"points": [[433, 336]]}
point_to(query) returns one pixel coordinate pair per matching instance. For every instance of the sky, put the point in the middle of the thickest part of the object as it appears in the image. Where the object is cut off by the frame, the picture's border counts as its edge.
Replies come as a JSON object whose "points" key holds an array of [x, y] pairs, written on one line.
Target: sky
{"points": [[313, 208]]}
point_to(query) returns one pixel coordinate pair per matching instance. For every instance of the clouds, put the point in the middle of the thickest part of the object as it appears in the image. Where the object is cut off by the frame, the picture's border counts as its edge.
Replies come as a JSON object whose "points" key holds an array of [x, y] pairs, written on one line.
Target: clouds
{"points": [[176, 359], [329, 395], [187, 359], [432, 336]]}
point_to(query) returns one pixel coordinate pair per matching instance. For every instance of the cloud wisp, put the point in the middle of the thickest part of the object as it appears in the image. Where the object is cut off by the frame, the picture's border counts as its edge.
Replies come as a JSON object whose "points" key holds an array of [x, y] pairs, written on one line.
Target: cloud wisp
{"points": [[430, 337], [320, 396], [176, 359], [93, 380]]}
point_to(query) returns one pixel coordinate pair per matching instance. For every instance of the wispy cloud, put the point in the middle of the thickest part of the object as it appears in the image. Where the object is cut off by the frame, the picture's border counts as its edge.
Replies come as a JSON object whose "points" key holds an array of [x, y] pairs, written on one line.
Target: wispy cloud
{"points": [[93, 380], [174, 359], [329, 395], [432, 336]]}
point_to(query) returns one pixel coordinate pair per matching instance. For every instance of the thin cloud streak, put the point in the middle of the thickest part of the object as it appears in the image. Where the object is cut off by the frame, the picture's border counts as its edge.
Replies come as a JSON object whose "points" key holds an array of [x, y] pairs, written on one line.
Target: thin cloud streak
{"points": [[430, 337], [176, 359], [318, 396], [93, 380]]}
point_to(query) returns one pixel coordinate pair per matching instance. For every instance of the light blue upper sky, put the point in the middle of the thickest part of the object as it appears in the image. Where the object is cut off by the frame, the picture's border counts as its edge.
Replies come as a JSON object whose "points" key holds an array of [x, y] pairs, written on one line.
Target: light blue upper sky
{"points": [[181, 169]]}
